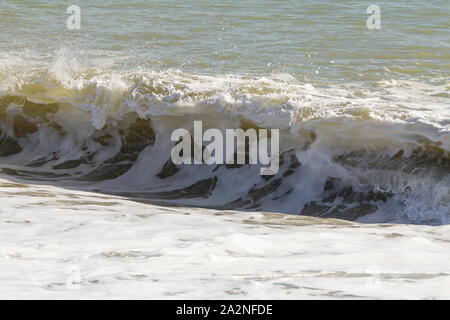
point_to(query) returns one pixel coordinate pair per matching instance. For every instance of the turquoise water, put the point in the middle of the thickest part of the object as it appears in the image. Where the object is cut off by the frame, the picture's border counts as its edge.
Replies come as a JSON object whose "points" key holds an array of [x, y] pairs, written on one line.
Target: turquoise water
{"points": [[312, 40]]}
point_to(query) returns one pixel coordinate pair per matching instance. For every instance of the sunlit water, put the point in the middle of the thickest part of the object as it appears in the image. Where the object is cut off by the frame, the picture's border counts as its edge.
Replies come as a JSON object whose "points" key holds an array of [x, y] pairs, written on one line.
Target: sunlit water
{"points": [[93, 208]]}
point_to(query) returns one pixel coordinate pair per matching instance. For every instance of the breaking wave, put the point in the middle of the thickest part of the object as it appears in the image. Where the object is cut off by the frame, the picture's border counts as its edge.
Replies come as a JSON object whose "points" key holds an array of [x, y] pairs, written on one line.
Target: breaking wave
{"points": [[372, 154]]}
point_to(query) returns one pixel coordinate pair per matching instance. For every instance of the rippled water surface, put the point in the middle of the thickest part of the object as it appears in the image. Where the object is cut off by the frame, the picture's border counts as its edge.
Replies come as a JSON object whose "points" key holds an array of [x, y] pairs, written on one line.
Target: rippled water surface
{"points": [[315, 40]]}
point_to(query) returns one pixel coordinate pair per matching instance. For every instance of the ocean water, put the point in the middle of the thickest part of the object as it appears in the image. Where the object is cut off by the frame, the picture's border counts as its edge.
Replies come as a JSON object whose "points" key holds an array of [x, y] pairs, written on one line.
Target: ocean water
{"points": [[93, 206]]}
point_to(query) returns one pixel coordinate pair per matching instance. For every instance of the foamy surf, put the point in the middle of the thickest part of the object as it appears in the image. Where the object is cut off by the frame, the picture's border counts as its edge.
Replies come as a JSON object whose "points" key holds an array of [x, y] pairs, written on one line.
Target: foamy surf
{"points": [[378, 154], [84, 245]]}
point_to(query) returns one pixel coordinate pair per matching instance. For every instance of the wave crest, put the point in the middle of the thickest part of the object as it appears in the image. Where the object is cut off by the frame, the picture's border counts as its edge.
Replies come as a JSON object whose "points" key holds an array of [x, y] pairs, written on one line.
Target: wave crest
{"points": [[346, 151]]}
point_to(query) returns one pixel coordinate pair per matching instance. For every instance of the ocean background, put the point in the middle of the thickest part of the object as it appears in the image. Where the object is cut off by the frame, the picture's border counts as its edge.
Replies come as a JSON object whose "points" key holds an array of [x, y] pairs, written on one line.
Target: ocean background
{"points": [[311, 40], [93, 207]]}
